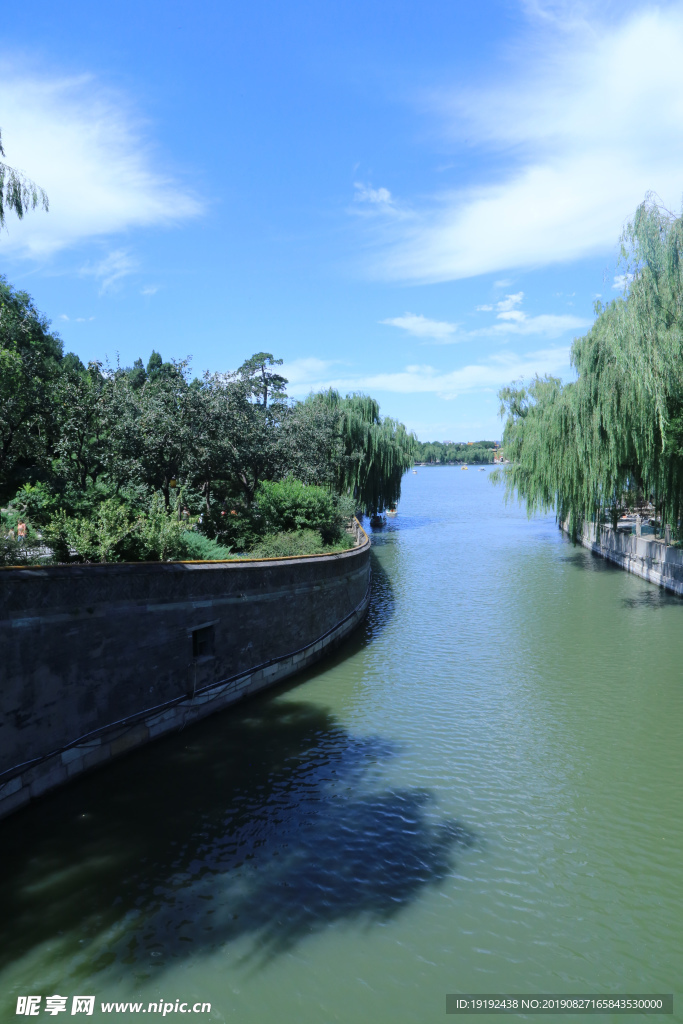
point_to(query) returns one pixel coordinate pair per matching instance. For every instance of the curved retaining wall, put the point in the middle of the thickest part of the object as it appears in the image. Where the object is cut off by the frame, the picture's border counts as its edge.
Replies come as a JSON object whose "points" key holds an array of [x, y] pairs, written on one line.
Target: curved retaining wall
{"points": [[97, 660]]}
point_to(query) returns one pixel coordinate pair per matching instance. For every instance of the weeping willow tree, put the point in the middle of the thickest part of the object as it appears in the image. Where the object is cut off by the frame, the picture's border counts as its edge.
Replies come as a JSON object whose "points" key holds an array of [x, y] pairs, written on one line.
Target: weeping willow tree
{"points": [[375, 450], [17, 192], [616, 432]]}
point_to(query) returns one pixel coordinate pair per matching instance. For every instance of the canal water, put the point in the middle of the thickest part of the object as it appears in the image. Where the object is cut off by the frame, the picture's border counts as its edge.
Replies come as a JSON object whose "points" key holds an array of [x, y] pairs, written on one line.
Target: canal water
{"points": [[480, 792]]}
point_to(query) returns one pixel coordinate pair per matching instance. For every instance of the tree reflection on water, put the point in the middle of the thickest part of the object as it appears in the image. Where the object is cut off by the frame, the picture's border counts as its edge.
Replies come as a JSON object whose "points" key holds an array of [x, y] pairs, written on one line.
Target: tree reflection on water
{"points": [[270, 822]]}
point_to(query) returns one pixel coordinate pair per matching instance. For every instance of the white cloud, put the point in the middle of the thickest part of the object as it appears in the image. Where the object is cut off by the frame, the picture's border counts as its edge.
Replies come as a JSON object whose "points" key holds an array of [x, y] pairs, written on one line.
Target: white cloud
{"points": [[509, 302], [304, 374], [85, 148], [515, 321], [149, 289], [111, 269], [422, 327], [376, 196], [489, 375], [621, 281], [76, 319], [574, 138]]}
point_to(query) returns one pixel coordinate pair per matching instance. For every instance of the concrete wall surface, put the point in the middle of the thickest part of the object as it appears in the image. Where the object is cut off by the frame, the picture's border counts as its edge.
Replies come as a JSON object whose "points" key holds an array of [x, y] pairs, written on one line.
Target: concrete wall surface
{"points": [[654, 560], [95, 660]]}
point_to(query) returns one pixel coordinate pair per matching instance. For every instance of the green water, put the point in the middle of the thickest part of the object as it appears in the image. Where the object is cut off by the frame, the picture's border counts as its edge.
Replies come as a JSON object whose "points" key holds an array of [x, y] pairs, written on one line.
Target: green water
{"points": [[481, 792]]}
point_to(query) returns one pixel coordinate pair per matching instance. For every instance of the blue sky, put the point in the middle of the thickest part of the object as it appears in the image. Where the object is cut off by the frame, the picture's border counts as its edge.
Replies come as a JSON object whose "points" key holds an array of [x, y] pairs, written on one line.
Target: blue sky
{"points": [[421, 201]]}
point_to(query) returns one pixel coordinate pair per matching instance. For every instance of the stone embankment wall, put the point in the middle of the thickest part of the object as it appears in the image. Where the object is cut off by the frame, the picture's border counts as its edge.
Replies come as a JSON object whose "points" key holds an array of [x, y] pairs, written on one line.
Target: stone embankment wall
{"points": [[652, 559], [97, 660]]}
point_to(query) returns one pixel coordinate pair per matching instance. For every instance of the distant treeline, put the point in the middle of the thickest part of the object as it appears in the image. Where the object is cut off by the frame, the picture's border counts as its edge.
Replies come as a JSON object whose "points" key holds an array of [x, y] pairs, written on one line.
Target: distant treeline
{"points": [[449, 453]]}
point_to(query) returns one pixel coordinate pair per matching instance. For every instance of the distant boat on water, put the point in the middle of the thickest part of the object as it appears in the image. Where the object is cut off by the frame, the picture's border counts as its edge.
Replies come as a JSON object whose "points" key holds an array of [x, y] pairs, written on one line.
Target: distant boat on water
{"points": [[415, 472], [463, 467], [391, 511]]}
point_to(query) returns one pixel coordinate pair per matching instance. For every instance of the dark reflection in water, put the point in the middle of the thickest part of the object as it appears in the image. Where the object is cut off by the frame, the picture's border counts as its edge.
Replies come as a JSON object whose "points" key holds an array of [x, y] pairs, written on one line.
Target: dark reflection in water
{"points": [[584, 559], [271, 827], [649, 597], [652, 598]]}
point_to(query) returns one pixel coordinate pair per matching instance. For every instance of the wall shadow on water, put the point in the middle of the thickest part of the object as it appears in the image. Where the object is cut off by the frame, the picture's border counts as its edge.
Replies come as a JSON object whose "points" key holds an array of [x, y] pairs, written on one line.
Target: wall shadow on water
{"points": [[269, 823], [380, 613]]}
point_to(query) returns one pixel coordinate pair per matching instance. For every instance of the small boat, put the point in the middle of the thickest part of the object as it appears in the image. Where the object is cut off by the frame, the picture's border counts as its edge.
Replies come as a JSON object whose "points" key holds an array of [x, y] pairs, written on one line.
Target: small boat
{"points": [[482, 470], [391, 511], [463, 467], [376, 522], [415, 472]]}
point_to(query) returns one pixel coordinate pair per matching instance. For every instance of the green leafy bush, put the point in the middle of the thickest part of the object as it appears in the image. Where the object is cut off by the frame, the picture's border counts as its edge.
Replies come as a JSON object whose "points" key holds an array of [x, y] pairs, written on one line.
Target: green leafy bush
{"points": [[297, 542], [200, 548], [290, 505], [32, 501], [113, 534]]}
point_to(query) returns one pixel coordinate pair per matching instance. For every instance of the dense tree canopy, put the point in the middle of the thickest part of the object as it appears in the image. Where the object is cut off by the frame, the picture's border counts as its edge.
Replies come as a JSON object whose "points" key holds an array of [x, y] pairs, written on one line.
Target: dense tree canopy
{"points": [[83, 449], [615, 434]]}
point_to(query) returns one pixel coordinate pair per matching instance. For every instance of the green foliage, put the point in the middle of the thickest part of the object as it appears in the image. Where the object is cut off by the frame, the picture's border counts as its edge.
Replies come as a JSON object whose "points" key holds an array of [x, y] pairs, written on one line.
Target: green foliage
{"points": [[375, 451], [260, 381], [290, 505], [197, 547], [17, 192], [297, 542], [580, 448], [99, 539], [32, 502], [30, 358], [114, 534], [115, 462]]}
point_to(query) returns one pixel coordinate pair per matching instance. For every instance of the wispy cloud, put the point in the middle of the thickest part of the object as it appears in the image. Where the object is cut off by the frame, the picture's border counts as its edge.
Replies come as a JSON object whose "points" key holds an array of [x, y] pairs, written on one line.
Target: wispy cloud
{"points": [[548, 325], [76, 319], [149, 289], [439, 330], [110, 270], [512, 320], [621, 281], [487, 375], [375, 196], [573, 139], [504, 306], [86, 148]]}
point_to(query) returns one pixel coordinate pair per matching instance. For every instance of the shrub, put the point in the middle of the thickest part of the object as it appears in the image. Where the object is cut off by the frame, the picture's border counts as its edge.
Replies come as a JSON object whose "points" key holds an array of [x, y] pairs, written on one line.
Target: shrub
{"points": [[111, 534], [32, 501], [297, 542], [290, 505], [200, 548]]}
